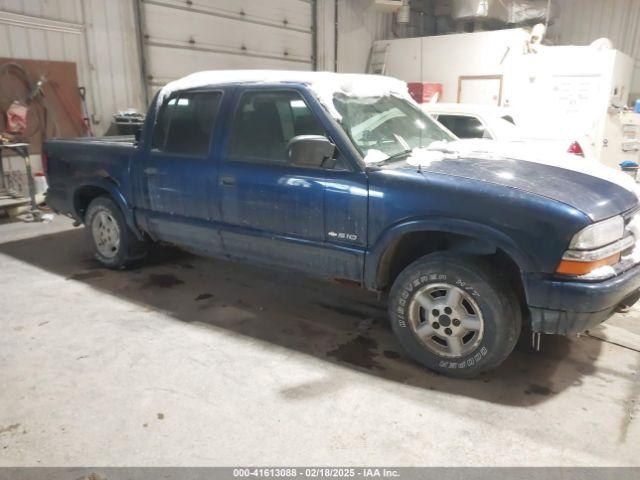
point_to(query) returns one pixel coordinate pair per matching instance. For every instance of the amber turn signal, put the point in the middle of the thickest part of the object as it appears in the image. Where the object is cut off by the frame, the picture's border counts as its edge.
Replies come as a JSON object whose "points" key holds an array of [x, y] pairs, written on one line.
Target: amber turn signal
{"points": [[571, 267]]}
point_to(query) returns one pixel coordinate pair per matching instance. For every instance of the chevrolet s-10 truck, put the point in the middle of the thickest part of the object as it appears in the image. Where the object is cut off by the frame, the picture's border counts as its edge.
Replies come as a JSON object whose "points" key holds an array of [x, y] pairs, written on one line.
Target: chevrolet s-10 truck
{"points": [[344, 177]]}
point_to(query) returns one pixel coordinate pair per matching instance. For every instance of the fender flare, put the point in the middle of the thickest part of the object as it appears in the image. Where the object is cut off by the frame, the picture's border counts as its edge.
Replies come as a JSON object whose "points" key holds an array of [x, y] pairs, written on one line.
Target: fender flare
{"points": [[116, 195], [486, 236]]}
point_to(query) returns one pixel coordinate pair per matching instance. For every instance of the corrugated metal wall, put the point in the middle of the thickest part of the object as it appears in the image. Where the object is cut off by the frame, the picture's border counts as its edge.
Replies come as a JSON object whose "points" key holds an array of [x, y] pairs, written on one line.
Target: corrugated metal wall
{"points": [[98, 35], [580, 22], [113, 57]]}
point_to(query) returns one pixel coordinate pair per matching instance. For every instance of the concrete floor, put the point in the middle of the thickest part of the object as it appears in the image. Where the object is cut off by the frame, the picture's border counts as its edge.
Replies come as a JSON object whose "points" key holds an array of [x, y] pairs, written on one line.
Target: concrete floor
{"points": [[188, 361]]}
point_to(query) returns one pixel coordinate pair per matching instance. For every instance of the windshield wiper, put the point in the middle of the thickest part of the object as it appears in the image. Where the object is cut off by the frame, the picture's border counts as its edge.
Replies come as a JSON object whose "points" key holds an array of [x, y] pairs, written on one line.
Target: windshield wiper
{"points": [[397, 156]]}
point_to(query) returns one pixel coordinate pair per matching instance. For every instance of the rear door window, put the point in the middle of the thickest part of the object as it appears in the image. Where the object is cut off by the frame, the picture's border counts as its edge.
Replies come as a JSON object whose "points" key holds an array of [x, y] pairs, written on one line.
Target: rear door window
{"points": [[185, 124]]}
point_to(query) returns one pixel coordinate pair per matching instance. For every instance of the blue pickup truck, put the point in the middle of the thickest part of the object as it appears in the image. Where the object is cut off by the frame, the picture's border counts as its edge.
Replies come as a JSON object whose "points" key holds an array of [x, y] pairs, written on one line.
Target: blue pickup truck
{"points": [[344, 177]]}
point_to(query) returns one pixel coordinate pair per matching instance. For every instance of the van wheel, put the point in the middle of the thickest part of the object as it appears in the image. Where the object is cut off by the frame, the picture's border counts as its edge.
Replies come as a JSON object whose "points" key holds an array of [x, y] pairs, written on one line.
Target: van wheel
{"points": [[454, 314], [114, 244]]}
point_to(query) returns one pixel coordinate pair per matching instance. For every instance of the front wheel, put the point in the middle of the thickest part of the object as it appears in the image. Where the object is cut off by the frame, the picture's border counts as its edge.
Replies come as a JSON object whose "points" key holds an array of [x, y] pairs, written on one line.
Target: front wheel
{"points": [[114, 244], [454, 314]]}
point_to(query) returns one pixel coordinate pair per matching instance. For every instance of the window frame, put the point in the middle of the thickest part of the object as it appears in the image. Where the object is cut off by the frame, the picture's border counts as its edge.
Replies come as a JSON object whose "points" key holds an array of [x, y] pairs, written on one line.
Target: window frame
{"points": [[177, 96], [227, 158]]}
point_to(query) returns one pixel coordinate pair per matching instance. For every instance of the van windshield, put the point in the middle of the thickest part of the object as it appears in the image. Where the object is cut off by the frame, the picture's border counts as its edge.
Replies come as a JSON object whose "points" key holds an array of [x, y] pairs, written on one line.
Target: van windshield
{"points": [[386, 126]]}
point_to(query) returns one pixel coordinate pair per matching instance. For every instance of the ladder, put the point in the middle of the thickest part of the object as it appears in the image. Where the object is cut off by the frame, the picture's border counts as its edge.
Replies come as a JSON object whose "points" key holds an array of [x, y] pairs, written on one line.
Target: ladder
{"points": [[378, 59]]}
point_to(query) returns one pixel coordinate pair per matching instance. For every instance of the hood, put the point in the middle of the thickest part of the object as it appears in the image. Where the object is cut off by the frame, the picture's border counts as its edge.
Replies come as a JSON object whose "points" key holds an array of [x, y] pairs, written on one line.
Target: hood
{"points": [[595, 189]]}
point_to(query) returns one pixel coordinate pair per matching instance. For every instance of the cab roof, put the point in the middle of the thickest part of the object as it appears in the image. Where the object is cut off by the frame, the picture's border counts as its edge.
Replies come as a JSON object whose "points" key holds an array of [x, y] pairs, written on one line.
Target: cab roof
{"points": [[323, 84]]}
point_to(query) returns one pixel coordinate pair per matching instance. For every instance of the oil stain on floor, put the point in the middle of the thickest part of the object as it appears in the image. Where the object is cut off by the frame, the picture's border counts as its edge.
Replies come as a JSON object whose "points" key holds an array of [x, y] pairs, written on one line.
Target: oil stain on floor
{"points": [[359, 351], [9, 428], [346, 311], [86, 275], [538, 390], [203, 296], [155, 280]]}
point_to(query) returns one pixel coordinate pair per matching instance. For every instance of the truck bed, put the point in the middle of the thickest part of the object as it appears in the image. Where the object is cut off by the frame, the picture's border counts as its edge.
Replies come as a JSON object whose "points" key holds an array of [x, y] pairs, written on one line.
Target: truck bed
{"points": [[99, 162], [120, 139]]}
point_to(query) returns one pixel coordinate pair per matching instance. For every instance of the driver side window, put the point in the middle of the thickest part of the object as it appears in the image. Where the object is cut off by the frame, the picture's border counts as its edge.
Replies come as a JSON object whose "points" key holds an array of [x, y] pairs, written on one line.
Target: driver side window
{"points": [[265, 122]]}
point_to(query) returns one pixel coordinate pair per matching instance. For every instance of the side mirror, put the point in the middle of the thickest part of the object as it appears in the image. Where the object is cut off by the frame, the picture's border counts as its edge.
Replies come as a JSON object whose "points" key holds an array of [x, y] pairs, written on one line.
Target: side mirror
{"points": [[312, 151], [138, 135]]}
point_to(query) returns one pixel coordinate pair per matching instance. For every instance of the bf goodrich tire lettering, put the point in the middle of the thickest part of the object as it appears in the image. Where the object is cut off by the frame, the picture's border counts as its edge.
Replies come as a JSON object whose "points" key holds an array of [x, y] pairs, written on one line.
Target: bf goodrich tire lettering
{"points": [[454, 314]]}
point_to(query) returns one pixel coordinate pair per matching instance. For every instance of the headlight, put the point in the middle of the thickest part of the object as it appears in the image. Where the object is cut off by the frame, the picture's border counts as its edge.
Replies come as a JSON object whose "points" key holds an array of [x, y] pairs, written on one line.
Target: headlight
{"points": [[594, 247], [599, 234]]}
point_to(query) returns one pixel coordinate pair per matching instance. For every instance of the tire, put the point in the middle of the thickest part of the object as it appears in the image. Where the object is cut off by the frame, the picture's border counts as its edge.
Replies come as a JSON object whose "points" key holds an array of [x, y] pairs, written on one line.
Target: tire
{"points": [[428, 297], [114, 244]]}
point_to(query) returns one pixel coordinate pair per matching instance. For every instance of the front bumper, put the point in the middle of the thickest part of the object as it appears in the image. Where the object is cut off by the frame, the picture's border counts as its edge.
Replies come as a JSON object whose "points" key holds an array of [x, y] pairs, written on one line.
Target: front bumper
{"points": [[564, 307]]}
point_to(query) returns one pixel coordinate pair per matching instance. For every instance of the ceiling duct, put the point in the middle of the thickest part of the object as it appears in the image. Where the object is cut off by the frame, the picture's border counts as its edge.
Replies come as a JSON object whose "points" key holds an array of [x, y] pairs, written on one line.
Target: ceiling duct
{"points": [[404, 14], [504, 11]]}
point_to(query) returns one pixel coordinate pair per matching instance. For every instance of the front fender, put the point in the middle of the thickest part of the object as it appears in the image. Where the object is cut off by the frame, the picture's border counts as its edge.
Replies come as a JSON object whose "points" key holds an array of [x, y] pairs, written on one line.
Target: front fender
{"points": [[467, 228]]}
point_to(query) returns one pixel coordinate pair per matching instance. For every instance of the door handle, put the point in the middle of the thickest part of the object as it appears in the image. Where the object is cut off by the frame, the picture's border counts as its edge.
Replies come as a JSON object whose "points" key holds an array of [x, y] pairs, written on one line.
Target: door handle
{"points": [[150, 170], [227, 180]]}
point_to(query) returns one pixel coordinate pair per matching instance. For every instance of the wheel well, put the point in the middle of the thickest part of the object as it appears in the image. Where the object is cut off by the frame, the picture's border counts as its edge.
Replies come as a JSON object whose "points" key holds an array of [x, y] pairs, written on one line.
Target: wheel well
{"points": [[84, 196], [414, 245]]}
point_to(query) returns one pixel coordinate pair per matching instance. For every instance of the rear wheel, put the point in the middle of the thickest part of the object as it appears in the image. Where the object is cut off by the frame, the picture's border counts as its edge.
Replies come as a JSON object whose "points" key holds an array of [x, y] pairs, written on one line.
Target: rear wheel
{"points": [[454, 314], [115, 245]]}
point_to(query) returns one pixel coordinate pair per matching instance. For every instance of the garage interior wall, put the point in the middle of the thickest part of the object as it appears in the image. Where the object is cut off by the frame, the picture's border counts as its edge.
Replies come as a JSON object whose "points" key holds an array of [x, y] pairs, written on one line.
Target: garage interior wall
{"points": [[182, 37], [98, 35], [580, 22], [358, 26]]}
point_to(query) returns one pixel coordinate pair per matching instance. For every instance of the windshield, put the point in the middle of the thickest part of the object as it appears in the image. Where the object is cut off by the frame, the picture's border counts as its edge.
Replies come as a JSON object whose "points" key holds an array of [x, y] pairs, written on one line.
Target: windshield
{"points": [[386, 126]]}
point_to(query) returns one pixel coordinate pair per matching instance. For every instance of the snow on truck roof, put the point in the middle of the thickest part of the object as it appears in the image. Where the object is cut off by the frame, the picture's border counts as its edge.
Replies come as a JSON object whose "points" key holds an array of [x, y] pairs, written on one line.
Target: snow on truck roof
{"points": [[323, 84]]}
